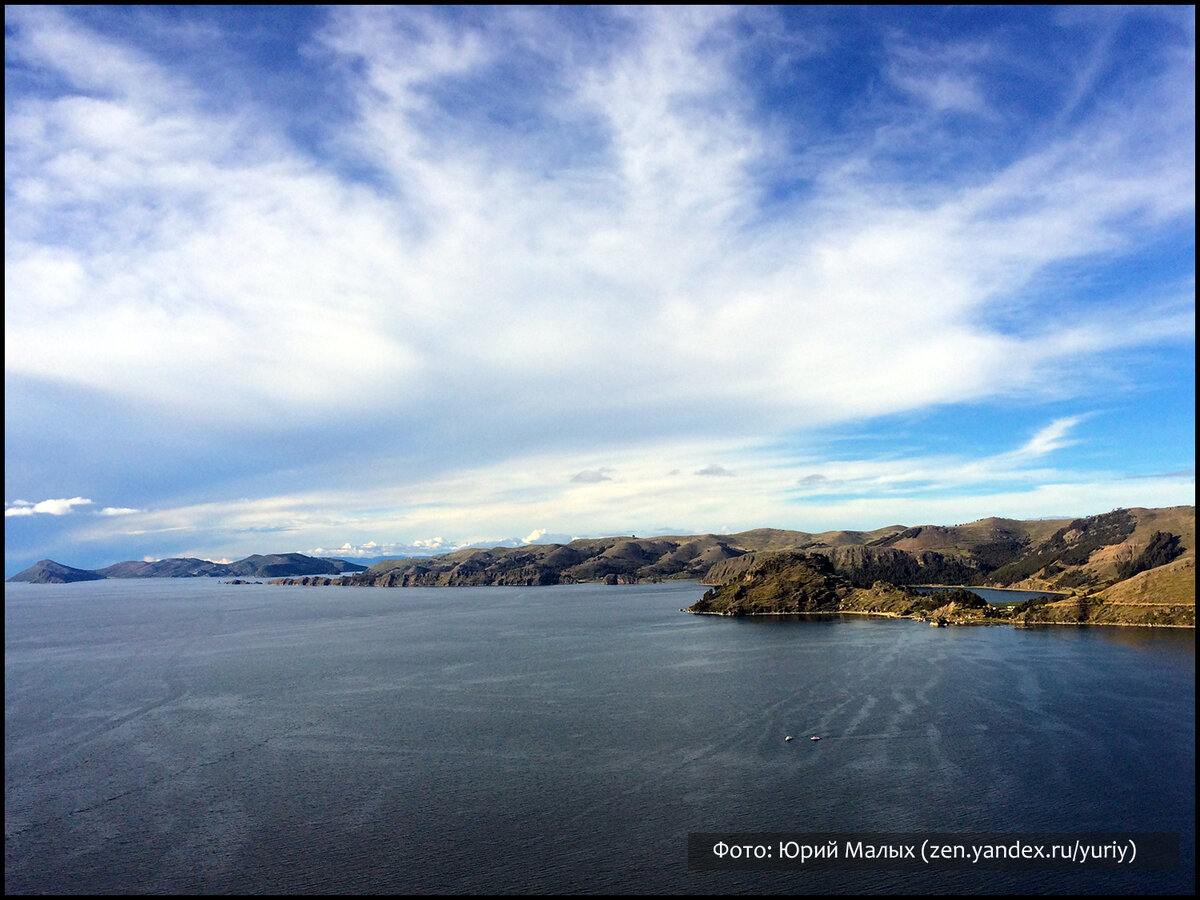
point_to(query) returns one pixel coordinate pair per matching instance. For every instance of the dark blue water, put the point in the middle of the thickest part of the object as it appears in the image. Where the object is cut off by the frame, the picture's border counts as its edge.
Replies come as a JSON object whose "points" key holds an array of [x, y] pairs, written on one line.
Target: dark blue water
{"points": [[997, 595], [180, 735]]}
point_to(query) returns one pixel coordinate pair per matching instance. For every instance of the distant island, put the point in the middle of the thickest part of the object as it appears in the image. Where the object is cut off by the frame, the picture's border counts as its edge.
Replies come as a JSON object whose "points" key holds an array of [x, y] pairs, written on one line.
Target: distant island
{"points": [[1128, 566], [275, 565]]}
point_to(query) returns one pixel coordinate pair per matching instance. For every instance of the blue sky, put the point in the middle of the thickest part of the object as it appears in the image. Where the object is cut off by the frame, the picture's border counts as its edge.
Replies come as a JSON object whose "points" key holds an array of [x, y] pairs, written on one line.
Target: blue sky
{"points": [[368, 281]]}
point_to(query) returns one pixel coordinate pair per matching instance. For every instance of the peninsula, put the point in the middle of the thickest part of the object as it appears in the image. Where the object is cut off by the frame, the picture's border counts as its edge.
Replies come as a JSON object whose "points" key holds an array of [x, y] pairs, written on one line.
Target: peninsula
{"points": [[789, 583]]}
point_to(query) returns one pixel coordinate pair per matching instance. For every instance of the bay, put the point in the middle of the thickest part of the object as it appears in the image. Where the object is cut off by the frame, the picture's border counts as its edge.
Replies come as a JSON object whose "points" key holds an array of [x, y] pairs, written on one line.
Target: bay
{"points": [[994, 595], [177, 735]]}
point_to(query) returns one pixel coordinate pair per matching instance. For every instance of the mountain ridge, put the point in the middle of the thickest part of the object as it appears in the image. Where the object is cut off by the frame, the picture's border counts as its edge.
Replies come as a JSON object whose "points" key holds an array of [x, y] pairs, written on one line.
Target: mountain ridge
{"points": [[1059, 555], [1087, 555], [274, 565]]}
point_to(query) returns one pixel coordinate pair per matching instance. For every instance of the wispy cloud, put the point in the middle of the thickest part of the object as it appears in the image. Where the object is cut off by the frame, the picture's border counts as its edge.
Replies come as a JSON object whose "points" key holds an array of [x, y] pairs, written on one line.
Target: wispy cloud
{"points": [[1181, 473], [1048, 439], [772, 486], [210, 246], [944, 77], [592, 476]]}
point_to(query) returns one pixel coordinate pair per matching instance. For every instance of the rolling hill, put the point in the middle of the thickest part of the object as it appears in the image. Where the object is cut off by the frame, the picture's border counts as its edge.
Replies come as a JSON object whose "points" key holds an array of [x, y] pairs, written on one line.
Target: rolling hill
{"points": [[273, 566]]}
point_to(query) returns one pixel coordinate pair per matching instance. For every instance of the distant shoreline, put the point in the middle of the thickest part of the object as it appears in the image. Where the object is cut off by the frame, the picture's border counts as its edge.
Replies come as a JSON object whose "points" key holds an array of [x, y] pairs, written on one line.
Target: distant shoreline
{"points": [[1011, 623]]}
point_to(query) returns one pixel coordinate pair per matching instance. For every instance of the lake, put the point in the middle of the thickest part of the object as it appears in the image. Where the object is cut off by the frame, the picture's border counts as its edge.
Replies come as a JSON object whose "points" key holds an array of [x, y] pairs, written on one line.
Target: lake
{"points": [[995, 595], [179, 735]]}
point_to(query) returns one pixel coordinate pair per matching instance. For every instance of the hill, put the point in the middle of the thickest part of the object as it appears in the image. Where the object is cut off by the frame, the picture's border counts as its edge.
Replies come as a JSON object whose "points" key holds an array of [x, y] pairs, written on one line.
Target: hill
{"points": [[772, 571], [273, 566], [277, 564], [863, 565], [1098, 551], [1165, 595], [1052, 555], [176, 567], [1064, 555], [1078, 556], [47, 571], [793, 583]]}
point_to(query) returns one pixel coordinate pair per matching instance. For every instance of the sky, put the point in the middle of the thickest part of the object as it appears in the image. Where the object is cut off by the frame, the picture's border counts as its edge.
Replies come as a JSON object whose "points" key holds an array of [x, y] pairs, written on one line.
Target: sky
{"points": [[359, 282]]}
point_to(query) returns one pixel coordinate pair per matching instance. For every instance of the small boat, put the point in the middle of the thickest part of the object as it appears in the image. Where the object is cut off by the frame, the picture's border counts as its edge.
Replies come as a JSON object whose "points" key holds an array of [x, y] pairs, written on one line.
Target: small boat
{"points": [[814, 738], [788, 738]]}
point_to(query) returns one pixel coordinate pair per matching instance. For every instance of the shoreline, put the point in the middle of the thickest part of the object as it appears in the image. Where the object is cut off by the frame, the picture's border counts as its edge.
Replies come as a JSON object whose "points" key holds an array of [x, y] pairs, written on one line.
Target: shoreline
{"points": [[975, 622]]}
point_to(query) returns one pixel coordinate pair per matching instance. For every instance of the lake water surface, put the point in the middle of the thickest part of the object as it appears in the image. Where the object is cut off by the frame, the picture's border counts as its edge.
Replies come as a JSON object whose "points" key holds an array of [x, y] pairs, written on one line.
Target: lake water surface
{"points": [[176, 735], [996, 595]]}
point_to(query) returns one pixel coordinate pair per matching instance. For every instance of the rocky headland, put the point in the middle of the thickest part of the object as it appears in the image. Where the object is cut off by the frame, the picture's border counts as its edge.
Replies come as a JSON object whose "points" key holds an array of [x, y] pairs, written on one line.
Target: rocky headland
{"points": [[784, 583]]}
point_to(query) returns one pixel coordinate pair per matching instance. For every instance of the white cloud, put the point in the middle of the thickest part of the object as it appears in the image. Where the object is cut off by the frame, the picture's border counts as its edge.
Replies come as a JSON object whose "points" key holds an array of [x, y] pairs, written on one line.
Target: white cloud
{"points": [[216, 249], [59, 507], [941, 76], [479, 505], [1048, 439], [348, 550], [592, 476]]}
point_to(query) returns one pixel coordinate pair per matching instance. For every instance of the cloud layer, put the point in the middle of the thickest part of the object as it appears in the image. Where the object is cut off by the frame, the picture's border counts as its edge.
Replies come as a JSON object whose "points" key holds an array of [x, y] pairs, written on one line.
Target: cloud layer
{"points": [[391, 249]]}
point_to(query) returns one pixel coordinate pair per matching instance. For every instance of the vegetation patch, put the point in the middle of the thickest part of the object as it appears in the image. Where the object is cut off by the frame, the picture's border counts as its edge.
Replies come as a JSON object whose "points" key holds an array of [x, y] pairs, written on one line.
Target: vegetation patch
{"points": [[1069, 546], [1162, 548]]}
